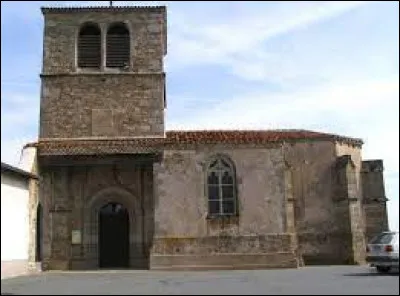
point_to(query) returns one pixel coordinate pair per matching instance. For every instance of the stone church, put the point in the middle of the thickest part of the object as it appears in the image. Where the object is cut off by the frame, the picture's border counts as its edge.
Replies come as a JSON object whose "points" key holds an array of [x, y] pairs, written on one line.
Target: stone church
{"points": [[116, 190]]}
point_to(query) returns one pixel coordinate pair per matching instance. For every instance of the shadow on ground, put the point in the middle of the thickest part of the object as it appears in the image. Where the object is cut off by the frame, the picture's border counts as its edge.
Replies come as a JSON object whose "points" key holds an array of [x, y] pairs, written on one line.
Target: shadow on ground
{"points": [[372, 274]]}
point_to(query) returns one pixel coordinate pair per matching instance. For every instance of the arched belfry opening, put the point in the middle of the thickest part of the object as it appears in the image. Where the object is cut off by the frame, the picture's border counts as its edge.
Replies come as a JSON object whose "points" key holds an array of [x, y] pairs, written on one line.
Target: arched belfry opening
{"points": [[113, 236], [89, 46], [118, 46]]}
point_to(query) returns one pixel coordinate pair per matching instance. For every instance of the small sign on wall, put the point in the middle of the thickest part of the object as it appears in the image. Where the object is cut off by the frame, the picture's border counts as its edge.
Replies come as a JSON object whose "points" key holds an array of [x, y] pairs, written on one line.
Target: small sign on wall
{"points": [[76, 237]]}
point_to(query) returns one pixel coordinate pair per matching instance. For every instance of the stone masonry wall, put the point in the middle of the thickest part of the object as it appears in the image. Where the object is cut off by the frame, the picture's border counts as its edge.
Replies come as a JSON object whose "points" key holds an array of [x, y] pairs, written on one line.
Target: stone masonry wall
{"points": [[186, 236], [70, 202], [96, 105], [107, 102], [326, 232], [181, 204], [353, 200], [319, 228], [224, 252], [33, 211], [147, 29], [374, 199]]}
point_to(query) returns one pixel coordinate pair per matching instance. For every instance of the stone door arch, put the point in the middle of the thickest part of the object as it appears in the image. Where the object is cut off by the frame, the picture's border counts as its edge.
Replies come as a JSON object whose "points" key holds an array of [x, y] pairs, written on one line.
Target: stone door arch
{"points": [[91, 224]]}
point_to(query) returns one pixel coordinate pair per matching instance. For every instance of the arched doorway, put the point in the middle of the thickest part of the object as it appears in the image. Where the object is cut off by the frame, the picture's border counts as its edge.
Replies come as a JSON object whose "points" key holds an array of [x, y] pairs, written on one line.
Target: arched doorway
{"points": [[39, 218], [113, 236]]}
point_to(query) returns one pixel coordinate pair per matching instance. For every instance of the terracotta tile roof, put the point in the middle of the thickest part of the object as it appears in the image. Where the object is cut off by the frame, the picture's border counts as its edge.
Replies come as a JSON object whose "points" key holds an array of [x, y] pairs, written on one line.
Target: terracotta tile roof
{"points": [[248, 136], [181, 138], [98, 146]]}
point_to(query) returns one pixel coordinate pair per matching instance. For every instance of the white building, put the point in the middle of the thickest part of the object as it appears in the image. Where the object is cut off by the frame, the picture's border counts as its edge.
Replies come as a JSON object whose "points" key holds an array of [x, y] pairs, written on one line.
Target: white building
{"points": [[15, 219]]}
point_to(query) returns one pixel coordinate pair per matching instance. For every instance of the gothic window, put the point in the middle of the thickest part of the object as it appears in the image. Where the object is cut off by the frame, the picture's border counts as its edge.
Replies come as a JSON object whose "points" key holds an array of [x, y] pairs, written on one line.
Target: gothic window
{"points": [[89, 46], [221, 187], [117, 46]]}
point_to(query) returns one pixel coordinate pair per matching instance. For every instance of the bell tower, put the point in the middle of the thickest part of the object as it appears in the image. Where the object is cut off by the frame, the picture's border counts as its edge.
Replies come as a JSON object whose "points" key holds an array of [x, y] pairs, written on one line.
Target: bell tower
{"points": [[103, 73], [101, 131]]}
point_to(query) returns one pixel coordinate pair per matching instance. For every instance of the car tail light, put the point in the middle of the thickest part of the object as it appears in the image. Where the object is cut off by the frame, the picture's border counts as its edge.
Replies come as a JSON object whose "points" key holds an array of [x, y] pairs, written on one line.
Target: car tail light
{"points": [[389, 248]]}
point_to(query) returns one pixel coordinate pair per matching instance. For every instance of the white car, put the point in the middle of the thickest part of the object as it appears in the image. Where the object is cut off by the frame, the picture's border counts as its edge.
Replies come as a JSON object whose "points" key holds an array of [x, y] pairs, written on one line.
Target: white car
{"points": [[383, 251]]}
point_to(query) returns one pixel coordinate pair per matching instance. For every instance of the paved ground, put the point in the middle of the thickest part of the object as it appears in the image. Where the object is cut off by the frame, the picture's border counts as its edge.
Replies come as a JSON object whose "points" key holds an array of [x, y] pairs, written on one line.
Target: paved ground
{"points": [[334, 280]]}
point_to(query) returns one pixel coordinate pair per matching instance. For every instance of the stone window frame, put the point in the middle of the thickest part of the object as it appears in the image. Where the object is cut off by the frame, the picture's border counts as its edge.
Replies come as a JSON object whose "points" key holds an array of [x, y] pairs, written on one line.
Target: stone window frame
{"points": [[232, 170]]}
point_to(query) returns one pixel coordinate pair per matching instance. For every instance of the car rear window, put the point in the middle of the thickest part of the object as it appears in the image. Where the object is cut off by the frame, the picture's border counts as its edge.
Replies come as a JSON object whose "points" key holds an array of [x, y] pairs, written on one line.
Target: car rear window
{"points": [[383, 238]]}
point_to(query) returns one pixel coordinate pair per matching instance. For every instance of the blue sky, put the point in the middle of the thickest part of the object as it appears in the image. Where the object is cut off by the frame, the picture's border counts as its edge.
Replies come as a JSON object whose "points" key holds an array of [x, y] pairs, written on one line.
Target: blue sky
{"points": [[326, 66]]}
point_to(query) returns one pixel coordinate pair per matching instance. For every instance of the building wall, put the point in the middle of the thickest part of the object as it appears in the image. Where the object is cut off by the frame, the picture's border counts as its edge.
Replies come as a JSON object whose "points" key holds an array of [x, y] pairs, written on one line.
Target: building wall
{"points": [[374, 198], [72, 197], [14, 224], [178, 232], [351, 206], [147, 27], [322, 226], [185, 235], [356, 157], [114, 105], [106, 102]]}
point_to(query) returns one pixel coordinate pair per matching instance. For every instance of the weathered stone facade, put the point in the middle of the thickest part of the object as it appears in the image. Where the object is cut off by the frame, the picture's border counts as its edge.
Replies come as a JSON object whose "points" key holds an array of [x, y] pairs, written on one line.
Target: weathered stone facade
{"points": [[374, 199], [106, 102], [73, 197], [297, 194], [183, 226], [74, 106]]}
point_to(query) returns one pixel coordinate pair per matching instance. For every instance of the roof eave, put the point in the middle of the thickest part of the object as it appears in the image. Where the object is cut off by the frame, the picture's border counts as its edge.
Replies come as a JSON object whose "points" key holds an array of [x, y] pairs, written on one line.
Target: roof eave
{"points": [[9, 168]]}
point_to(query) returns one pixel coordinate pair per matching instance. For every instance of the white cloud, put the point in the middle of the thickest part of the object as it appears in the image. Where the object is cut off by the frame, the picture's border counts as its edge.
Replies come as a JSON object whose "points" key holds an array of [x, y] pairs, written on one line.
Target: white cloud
{"points": [[392, 188], [237, 42], [11, 149], [19, 117], [347, 101], [19, 110]]}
